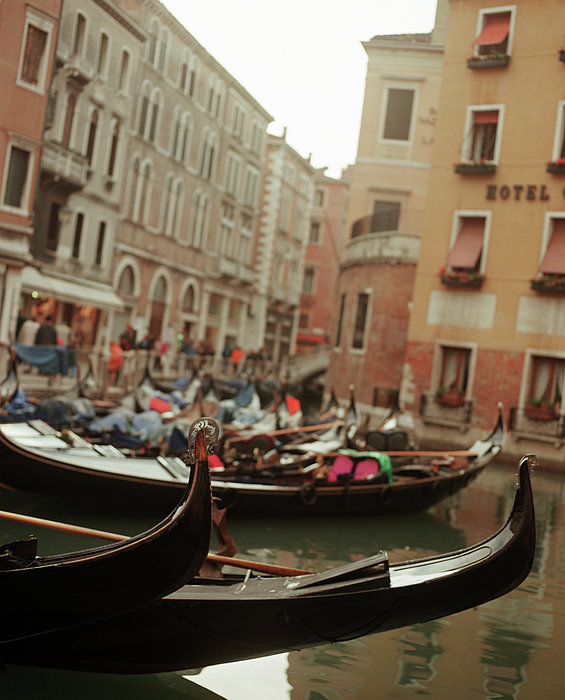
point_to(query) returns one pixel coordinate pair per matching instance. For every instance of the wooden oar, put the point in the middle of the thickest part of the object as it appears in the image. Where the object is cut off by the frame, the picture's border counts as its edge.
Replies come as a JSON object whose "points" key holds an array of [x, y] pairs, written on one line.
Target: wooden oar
{"points": [[306, 428], [406, 453], [218, 558]]}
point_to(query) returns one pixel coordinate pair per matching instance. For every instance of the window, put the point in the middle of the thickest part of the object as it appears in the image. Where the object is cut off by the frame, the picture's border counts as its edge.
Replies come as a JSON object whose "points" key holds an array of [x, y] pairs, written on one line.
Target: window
{"points": [[238, 121], [226, 231], [69, 119], [360, 321], [149, 109], [493, 34], [16, 177], [208, 155], [232, 175], [454, 371], [308, 281], [245, 235], [182, 127], [303, 321], [100, 243], [340, 321], [172, 203], [199, 219], [482, 138], [286, 209], [80, 30], [386, 216], [91, 136], [163, 48], [256, 139], [251, 183], [314, 237], [78, 236], [102, 61], [140, 189], [553, 258], [52, 241], [152, 43], [547, 381], [34, 57], [398, 116], [319, 198], [215, 96], [468, 240], [126, 285], [124, 72], [113, 149]]}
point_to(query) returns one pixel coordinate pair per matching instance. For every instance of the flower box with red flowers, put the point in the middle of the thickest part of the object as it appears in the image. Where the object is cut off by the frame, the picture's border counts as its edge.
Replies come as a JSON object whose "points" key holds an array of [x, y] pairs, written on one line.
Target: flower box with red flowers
{"points": [[476, 167], [461, 278], [540, 410], [556, 166], [552, 284], [449, 397], [493, 60]]}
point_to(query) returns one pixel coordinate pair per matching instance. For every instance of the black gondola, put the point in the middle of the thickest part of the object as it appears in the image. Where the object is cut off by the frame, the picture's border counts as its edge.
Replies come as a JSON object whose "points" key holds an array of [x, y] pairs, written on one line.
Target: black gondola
{"points": [[35, 457], [59, 591], [239, 617]]}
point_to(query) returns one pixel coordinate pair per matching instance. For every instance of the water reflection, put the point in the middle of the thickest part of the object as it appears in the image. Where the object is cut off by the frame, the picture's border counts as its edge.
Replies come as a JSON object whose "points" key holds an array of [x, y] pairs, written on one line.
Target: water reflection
{"points": [[508, 648]]}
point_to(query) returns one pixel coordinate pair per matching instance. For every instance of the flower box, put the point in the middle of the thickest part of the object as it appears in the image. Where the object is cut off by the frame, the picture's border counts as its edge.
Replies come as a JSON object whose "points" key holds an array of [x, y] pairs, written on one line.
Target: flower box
{"points": [[539, 412], [557, 167], [486, 61], [552, 284], [450, 398], [475, 168], [562, 54], [467, 278]]}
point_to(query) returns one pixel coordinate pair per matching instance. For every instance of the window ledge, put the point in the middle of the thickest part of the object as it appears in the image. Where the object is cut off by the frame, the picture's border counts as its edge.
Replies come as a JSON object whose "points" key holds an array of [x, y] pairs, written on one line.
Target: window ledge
{"points": [[500, 61], [475, 168]]}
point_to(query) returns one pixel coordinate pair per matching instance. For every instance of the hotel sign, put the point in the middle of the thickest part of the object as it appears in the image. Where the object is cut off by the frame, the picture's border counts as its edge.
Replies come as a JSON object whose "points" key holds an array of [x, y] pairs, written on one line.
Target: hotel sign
{"points": [[518, 192]]}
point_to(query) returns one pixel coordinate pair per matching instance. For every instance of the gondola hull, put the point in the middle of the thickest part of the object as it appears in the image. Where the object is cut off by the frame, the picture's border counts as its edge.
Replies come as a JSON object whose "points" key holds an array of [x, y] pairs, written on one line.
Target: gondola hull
{"points": [[44, 463], [206, 623], [60, 591]]}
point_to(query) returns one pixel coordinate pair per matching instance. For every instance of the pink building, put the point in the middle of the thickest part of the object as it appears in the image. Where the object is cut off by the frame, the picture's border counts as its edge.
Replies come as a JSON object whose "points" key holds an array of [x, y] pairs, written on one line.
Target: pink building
{"points": [[28, 33]]}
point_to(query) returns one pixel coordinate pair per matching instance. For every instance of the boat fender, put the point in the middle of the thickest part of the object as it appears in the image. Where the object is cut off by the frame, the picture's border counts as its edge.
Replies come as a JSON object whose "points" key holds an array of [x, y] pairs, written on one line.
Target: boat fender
{"points": [[308, 494]]}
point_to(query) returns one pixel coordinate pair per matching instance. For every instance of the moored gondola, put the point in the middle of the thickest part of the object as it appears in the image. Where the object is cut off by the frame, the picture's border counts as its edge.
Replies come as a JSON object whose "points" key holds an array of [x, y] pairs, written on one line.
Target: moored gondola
{"points": [[59, 591], [240, 617], [35, 457]]}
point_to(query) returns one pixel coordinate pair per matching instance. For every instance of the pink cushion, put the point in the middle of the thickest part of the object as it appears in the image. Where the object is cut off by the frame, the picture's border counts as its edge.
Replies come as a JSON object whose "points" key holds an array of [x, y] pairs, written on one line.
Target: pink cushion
{"points": [[341, 465], [365, 468]]}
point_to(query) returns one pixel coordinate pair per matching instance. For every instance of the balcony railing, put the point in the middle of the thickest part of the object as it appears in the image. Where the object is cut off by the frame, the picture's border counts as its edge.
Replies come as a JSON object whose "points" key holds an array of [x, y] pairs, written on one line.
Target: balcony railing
{"points": [[475, 168], [435, 409], [461, 278], [499, 60], [234, 269], [64, 164]]}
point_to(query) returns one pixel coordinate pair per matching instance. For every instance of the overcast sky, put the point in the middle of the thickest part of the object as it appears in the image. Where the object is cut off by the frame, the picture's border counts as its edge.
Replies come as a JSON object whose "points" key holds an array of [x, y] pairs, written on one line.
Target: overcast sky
{"points": [[302, 60]]}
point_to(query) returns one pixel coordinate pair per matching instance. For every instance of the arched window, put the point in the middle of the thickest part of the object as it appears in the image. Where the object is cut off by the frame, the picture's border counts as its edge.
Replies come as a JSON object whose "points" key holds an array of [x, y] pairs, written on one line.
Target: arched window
{"points": [[124, 72], [188, 300], [152, 43], [163, 47], [69, 118], [113, 148], [208, 155], [102, 61], [154, 118], [79, 35], [126, 285], [134, 184], [193, 76], [78, 235], [199, 219], [144, 192], [143, 109], [100, 243], [91, 136]]}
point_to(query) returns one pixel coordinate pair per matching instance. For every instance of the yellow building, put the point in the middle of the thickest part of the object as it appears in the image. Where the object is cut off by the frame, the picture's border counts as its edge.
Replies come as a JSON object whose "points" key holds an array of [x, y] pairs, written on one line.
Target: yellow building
{"points": [[488, 317]]}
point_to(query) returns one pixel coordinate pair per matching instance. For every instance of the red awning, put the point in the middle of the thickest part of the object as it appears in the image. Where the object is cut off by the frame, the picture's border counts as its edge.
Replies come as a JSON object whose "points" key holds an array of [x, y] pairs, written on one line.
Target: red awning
{"points": [[469, 243], [485, 116], [554, 260], [495, 30]]}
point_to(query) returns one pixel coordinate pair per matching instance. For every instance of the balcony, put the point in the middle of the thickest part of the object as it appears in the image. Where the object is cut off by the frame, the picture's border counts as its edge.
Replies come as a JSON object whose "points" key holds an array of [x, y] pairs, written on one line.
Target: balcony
{"points": [[495, 60], [234, 270], [386, 246], [549, 284], [64, 166], [480, 167], [461, 278]]}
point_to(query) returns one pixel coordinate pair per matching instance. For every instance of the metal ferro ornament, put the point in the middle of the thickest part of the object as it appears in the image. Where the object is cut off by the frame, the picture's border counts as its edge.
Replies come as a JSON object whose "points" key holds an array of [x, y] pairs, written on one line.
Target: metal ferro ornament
{"points": [[211, 432]]}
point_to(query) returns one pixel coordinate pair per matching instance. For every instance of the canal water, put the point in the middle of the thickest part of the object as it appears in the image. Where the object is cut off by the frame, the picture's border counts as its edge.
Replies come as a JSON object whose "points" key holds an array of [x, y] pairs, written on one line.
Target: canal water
{"points": [[509, 648]]}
